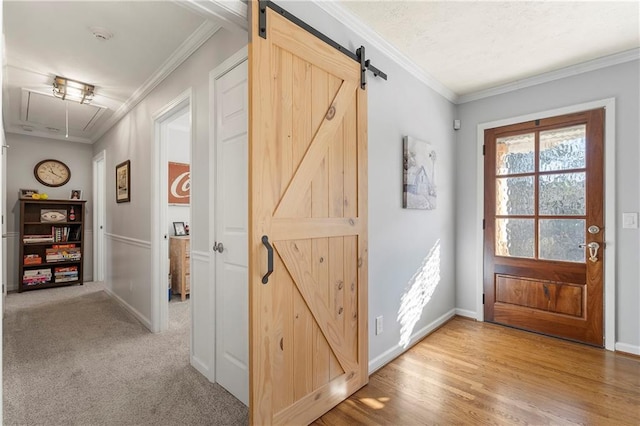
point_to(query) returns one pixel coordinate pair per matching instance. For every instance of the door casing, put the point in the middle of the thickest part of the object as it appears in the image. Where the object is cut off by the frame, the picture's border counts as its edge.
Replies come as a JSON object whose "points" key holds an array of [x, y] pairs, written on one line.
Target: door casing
{"points": [[99, 214], [610, 212]]}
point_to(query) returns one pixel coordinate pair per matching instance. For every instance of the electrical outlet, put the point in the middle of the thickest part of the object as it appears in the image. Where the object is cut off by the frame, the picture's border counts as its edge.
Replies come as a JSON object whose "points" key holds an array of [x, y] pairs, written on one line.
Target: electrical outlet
{"points": [[379, 325]]}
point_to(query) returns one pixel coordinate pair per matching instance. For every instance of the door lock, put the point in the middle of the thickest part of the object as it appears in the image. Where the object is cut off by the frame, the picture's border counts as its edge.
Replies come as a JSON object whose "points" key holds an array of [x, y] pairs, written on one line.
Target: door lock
{"points": [[593, 250], [218, 247], [593, 229]]}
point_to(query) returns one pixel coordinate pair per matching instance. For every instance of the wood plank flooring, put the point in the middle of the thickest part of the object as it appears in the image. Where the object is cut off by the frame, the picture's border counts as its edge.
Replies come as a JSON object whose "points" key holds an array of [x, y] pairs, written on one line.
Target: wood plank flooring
{"points": [[471, 372]]}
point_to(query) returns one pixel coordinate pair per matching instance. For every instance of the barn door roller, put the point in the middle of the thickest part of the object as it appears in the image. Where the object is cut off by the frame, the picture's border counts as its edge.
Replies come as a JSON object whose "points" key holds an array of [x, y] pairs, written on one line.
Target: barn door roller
{"points": [[358, 56]]}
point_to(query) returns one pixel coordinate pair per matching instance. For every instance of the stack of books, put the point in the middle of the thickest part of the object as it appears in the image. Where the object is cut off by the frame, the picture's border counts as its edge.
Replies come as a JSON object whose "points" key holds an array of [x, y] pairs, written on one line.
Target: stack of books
{"points": [[36, 276], [60, 233], [62, 253], [66, 274]]}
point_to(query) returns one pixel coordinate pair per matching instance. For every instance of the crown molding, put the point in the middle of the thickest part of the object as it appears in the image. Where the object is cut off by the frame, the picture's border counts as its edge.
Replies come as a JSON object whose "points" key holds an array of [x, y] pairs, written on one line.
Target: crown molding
{"points": [[47, 135], [376, 40], [232, 14], [595, 64], [186, 49]]}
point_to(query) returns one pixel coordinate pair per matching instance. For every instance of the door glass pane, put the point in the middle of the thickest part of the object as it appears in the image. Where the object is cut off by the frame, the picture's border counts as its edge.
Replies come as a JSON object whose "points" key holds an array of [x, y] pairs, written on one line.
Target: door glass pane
{"points": [[559, 239], [563, 194], [514, 196], [515, 237], [563, 149], [515, 154]]}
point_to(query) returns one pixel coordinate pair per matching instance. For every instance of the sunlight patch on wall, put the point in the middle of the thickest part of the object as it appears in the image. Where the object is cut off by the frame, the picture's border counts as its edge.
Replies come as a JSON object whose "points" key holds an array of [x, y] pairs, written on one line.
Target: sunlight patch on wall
{"points": [[420, 289]]}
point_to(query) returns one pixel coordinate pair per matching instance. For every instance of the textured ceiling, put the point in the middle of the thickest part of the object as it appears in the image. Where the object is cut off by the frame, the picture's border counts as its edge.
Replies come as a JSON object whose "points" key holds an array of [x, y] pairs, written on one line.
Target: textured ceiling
{"points": [[472, 46]]}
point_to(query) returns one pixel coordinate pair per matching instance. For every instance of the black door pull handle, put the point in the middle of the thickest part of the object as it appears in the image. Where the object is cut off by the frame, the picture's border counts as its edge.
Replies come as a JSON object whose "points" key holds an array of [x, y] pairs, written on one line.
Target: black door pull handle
{"points": [[265, 241]]}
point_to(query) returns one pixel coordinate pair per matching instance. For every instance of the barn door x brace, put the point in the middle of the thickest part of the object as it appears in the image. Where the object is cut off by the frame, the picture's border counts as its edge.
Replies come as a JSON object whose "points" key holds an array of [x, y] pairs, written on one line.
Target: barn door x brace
{"points": [[359, 56]]}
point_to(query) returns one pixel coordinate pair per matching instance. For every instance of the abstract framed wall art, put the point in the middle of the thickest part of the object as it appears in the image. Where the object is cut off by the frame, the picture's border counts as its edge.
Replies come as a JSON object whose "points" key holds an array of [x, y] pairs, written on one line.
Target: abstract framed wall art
{"points": [[419, 170]]}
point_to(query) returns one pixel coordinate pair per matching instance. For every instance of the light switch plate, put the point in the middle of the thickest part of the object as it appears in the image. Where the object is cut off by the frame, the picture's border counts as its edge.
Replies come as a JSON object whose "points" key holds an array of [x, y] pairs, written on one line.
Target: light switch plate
{"points": [[630, 220]]}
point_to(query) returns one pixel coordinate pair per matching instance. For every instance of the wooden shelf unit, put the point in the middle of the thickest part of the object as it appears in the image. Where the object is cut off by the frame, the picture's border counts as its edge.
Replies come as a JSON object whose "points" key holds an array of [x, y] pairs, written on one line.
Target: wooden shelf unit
{"points": [[31, 224], [179, 257]]}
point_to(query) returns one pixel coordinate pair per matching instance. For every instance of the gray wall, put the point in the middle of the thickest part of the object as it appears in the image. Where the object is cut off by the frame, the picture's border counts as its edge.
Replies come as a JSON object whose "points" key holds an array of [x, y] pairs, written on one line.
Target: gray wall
{"points": [[400, 241], [23, 154], [619, 81], [128, 227]]}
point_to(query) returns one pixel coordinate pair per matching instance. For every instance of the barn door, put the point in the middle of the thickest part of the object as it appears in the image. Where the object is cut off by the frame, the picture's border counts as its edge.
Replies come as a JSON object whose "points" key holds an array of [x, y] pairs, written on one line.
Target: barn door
{"points": [[308, 212], [544, 236]]}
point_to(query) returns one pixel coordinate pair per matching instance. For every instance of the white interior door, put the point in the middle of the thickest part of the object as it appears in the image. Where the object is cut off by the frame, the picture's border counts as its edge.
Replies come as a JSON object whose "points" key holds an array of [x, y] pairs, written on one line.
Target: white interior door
{"points": [[99, 189], [231, 221]]}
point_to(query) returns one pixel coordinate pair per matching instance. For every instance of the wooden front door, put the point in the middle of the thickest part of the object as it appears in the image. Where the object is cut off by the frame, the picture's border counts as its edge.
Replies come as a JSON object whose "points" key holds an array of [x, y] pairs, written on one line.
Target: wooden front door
{"points": [[544, 226], [308, 197]]}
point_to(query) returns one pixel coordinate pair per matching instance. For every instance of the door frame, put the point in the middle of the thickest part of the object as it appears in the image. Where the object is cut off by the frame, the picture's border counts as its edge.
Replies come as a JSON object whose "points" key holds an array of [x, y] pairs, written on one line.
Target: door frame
{"points": [[609, 201], [99, 199], [229, 64], [159, 235]]}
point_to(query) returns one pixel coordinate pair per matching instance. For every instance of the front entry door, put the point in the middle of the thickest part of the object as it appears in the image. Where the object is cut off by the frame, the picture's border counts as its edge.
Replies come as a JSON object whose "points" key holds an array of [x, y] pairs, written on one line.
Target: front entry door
{"points": [[308, 198], [544, 226]]}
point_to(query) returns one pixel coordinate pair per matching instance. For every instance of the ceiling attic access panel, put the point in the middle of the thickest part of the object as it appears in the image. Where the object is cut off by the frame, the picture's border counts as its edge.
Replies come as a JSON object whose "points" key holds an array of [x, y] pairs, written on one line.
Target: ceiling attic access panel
{"points": [[46, 113]]}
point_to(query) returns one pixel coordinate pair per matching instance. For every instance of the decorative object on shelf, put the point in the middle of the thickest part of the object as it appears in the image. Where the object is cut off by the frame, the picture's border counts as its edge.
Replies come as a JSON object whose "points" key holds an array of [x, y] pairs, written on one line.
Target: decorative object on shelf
{"points": [[72, 214], [27, 193], [123, 182], [52, 173], [186, 228], [419, 167], [179, 184], [53, 215], [76, 194], [179, 229], [72, 90]]}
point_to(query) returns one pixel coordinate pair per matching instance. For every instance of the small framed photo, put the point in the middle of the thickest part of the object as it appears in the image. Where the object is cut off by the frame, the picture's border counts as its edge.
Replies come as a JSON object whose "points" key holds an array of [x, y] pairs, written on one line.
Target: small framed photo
{"points": [[27, 193], [76, 194], [179, 229], [123, 182]]}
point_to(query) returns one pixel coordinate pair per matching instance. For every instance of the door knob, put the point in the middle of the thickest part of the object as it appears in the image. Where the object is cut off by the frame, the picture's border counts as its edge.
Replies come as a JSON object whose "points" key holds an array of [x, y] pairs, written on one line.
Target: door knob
{"points": [[593, 250], [218, 247]]}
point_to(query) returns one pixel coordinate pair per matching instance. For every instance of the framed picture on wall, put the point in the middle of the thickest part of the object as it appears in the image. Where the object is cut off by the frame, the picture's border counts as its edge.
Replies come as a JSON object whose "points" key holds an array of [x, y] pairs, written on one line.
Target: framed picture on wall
{"points": [[419, 175], [123, 182], [179, 184]]}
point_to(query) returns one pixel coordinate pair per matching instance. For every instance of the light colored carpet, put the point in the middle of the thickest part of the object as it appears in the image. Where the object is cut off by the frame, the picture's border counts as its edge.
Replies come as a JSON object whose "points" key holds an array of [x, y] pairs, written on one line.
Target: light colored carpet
{"points": [[73, 356]]}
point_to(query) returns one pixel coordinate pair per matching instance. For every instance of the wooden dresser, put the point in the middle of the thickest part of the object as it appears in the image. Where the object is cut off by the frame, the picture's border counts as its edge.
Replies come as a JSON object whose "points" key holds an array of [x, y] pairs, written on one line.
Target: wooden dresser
{"points": [[179, 256]]}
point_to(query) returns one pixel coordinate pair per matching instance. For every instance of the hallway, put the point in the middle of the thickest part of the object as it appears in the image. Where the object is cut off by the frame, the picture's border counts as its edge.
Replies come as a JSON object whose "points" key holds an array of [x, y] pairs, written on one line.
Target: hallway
{"points": [[72, 355]]}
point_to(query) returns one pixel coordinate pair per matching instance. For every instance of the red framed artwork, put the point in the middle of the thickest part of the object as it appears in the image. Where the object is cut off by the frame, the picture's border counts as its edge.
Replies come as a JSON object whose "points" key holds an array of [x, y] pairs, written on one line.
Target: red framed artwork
{"points": [[179, 183]]}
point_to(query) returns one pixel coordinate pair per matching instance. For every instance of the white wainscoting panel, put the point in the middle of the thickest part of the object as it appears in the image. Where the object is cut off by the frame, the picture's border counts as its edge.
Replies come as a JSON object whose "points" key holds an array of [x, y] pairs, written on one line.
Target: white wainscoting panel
{"points": [[127, 276]]}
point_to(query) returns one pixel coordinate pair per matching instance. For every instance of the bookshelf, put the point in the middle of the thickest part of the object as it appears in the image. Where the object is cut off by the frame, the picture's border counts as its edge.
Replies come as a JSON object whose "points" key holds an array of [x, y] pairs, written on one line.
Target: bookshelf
{"points": [[51, 243]]}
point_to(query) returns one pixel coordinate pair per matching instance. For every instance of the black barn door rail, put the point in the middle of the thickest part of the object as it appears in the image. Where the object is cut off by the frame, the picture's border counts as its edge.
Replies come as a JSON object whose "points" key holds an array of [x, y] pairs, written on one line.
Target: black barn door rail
{"points": [[358, 56]]}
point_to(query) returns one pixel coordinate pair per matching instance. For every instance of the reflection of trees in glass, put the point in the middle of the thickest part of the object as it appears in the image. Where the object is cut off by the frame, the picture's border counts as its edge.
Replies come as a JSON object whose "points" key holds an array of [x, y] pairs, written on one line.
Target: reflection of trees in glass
{"points": [[559, 239], [517, 162], [562, 194], [562, 154], [520, 236]]}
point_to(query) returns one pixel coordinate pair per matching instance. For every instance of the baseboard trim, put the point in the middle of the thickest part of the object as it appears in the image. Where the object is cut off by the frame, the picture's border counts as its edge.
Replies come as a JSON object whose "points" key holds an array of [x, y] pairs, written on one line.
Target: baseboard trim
{"points": [[466, 313], [144, 320], [630, 349], [397, 350]]}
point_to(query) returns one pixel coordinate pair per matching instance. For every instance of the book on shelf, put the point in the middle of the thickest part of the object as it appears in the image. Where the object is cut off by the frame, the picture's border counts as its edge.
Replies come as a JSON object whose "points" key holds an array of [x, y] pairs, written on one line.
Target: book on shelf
{"points": [[34, 239]]}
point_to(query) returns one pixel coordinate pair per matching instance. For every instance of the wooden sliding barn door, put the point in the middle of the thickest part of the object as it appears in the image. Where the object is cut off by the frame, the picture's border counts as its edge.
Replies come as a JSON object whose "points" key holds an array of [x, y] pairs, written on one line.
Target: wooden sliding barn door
{"points": [[308, 198]]}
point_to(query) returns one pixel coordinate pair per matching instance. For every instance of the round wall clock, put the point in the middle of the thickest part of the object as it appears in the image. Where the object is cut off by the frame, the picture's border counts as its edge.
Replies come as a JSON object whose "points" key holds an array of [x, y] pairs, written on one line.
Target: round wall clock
{"points": [[52, 173]]}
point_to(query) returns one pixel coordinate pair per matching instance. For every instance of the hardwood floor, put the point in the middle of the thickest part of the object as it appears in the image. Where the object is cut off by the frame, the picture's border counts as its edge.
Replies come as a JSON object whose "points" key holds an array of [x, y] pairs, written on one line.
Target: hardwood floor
{"points": [[471, 372]]}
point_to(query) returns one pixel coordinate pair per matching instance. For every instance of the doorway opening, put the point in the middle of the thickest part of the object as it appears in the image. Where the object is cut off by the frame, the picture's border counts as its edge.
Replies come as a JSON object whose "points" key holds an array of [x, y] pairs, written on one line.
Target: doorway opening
{"points": [[172, 215], [99, 215]]}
